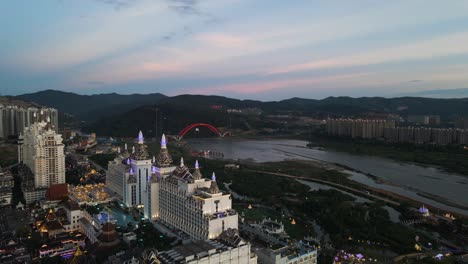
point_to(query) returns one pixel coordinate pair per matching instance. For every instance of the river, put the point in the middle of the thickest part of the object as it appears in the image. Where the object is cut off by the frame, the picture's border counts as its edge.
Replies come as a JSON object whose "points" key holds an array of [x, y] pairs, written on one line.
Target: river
{"points": [[406, 179]]}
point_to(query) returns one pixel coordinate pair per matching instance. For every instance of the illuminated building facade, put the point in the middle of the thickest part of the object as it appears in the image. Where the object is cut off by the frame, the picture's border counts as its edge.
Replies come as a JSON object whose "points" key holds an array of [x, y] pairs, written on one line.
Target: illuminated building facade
{"points": [[175, 196], [42, 150], [141, 178], [195, 205]]}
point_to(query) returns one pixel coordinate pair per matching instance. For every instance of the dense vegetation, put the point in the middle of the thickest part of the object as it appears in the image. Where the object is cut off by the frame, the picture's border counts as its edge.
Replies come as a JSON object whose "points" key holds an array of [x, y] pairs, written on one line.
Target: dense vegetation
{"points": [[450, 158], [334, 211], [102, 159], [8, 155]]}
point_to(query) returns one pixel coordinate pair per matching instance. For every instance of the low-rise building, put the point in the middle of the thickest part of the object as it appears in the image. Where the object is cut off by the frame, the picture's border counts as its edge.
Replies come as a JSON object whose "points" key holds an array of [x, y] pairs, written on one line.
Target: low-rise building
{"points": [[297, 253], [13, 252], [90, 227], [63, 245], [227, 248], [6, 187], [129, 238], [269, 231], [73, 213], [89, 193]]}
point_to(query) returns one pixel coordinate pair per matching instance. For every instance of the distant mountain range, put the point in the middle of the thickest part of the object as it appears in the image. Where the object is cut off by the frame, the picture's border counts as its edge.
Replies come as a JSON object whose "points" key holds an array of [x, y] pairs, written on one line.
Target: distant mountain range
{"points": [[90, 107], [448, 93], [122, 115]]}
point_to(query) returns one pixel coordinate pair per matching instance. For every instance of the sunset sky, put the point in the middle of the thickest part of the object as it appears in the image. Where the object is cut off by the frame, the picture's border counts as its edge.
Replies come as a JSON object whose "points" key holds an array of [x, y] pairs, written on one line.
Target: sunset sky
{"points": [[258, 49]]}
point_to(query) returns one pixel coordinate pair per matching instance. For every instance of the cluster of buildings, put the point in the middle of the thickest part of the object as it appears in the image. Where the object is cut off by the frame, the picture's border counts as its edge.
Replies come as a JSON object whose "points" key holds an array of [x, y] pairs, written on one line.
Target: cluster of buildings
{"points": [[387, 130], [15, 118], [60, 229], [171, 194], [431, 120], [358, 128], [89, 193], [6, 186], [14, 252], [427, 135], [245, 111], [180, 199], [173, 197]]}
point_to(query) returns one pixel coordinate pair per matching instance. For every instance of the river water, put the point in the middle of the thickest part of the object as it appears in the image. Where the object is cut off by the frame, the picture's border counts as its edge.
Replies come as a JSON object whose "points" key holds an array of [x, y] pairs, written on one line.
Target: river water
{"points": [[410, 180]]}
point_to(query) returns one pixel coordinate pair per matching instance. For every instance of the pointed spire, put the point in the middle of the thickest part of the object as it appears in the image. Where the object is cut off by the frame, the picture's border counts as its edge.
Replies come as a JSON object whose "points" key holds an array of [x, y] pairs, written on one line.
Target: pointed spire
{"points": [[125, 147], [140, 137], [128, 161], [133, 149], [118, 150], [131, 171], [197, 174], [214, 186], [78, 252], [48, 119], [163, 141], [181, 161], [154, 159]]}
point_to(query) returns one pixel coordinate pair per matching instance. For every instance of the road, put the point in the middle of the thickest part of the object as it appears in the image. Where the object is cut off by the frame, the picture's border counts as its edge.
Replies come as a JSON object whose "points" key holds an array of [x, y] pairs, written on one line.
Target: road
{"points": [[336, 185]]}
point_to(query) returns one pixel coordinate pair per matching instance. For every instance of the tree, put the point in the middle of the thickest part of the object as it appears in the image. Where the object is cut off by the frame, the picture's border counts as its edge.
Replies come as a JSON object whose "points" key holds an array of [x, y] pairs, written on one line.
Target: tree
{"points": [[22, 231]]}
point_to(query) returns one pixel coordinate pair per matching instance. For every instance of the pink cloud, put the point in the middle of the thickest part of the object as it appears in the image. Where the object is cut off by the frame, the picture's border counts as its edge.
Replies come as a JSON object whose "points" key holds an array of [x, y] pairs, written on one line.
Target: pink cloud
{"points": [[265, 86], [436, 47]]}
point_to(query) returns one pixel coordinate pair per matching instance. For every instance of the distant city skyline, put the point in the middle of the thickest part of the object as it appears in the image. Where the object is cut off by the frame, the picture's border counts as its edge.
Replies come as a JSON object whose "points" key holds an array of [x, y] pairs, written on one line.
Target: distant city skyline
{"points": [[266, 50]]}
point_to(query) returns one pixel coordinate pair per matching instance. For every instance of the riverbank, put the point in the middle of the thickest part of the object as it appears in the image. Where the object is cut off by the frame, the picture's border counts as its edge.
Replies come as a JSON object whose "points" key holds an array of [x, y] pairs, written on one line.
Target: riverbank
{"points": [[344, 218], [340, 216], [401, 179], [452, 159], [307, 170]]}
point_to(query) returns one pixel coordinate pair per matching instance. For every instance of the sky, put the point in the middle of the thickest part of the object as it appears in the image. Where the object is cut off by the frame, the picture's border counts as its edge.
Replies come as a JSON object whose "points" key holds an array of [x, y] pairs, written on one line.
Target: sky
{"points": [[256, 49]]}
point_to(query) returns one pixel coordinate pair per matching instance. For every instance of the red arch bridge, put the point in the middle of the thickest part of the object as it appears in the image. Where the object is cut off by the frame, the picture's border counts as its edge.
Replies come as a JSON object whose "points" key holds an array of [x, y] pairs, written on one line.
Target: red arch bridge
{"points": [[195, 125]]}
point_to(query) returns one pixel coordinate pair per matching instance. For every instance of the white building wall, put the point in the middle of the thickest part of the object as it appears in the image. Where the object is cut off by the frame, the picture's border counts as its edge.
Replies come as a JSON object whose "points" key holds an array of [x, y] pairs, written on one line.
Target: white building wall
{"points": [[142, 169], [115, 176], [43, 153], [154, 199], [238, 255]]}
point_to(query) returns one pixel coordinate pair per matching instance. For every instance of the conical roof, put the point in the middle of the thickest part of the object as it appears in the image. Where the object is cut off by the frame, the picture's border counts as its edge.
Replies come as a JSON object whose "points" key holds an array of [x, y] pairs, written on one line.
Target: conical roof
{"points": [[197, 174], [182, 171], [51, 216], [163, 159], [140, 151], [214, 186]]}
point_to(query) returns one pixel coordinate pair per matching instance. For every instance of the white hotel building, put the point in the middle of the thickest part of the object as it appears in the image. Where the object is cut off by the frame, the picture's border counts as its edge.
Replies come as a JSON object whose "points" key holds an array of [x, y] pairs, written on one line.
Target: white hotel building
{"points": [[173, 195], [41, 149]]}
